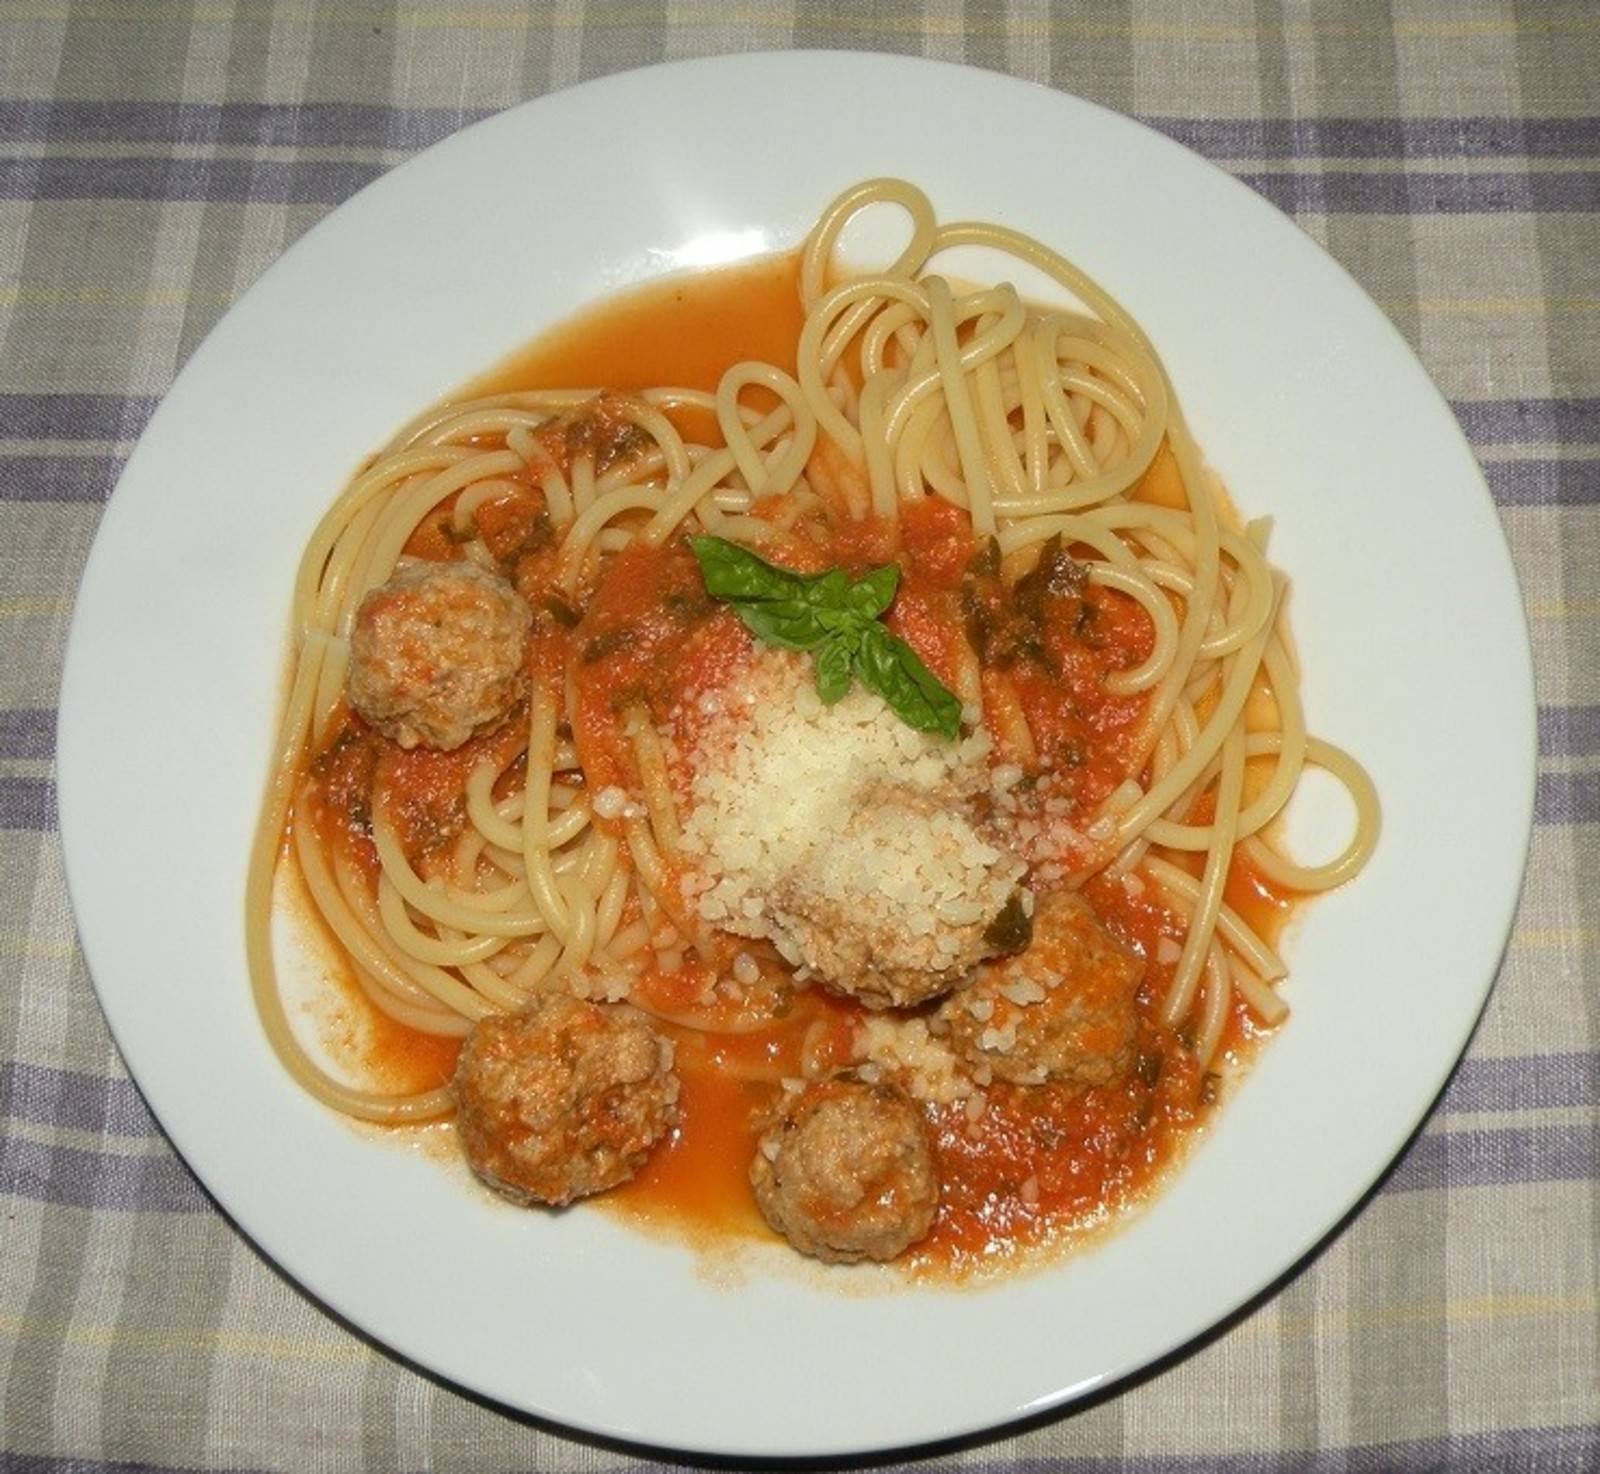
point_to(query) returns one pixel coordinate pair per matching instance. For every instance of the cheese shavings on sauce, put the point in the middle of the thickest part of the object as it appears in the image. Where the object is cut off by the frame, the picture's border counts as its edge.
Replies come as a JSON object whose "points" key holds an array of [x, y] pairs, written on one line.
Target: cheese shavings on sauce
{"points": [[855, 845]]}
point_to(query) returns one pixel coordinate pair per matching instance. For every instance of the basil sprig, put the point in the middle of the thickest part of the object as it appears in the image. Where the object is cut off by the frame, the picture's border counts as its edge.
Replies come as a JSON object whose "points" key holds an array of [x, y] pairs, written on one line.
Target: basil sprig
{"points": [[835, 618]]}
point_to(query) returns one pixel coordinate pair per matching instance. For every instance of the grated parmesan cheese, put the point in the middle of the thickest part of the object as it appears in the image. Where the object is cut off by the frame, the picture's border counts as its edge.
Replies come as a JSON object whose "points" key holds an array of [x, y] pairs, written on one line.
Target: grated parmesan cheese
{"points": [[905, 1049], [842, 836], [746, 970]]}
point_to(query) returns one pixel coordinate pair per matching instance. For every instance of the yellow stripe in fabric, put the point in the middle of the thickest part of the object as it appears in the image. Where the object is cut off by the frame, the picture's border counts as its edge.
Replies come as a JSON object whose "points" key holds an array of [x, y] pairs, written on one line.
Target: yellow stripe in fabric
{"points": [[154, 1338], [19, 944], [1563, 608], [1551, 938], [1464, 1309]]}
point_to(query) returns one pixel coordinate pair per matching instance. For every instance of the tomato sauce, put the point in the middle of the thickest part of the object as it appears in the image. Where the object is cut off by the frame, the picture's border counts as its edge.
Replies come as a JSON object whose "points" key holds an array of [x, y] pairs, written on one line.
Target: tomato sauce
{"points": [[685, 332], [382, 1053], [1040, 1164]]}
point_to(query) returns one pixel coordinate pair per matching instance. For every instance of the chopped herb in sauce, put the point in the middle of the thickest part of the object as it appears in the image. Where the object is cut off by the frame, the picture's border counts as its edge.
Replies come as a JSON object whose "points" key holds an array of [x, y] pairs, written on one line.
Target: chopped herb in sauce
{"points": [[1012, 929], [608, 643], [559, 610], [1054, 575], [1006, 627]]}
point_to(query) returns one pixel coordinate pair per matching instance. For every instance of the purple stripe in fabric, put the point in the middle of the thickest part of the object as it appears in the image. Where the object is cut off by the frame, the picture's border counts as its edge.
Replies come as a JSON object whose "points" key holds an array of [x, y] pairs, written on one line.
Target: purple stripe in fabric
{"points": [[1560, 798], [1524, 1082], [1569, 731], [330, 181], [28, 732], [1543, 483], [256, 181], [1494, 1157], [1540, 1450], [1384, 138], [1424, 192], [306, 125], [1456, 1159], [1511, 421], [13, 1463], [52, 478], [1553, 1450], [361, 125], [1485, 421], [78, 1101], [27, 803], [74, 416], [1491, 1157], [74, 1100], [1567, 798], [74, 1178]]}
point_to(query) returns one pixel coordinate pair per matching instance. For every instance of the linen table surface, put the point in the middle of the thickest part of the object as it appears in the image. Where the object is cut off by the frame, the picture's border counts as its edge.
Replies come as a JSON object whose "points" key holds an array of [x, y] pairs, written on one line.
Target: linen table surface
{"points": [[156, 157]]}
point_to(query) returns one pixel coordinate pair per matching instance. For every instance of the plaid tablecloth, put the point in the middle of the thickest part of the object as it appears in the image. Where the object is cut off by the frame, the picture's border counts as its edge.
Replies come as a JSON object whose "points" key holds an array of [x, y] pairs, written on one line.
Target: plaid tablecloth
{"points": [[155, 157]]}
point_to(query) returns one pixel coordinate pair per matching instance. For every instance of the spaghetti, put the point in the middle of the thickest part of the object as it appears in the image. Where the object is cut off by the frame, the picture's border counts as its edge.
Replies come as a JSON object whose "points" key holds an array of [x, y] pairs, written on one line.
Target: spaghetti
{"points": [[542, 859]]}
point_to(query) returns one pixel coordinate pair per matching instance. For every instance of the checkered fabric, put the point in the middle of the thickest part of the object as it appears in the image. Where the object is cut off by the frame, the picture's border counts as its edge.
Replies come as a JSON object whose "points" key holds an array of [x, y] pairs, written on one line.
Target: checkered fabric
{"points": [[155, 157]]}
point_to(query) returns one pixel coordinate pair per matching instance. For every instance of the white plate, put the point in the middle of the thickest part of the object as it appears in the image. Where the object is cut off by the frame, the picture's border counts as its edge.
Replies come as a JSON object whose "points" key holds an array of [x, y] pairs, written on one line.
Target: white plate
{"points": [[1302, 394]]}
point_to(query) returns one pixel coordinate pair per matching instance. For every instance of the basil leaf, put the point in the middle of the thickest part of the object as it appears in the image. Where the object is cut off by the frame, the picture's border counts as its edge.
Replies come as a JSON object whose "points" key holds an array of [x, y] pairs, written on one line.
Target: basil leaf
{"points": [[886, 664], [777, 605], [837, 618], [826, 590], [841, 621], [790, 624], [737, 574], [873, 592], [740, 576], [834, 662]]}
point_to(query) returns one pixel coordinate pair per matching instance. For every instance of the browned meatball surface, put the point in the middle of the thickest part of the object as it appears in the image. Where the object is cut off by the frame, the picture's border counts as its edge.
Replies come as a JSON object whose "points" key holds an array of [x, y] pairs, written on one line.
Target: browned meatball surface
{"points": [[846, 1172], [1061, 1010], [437, 654], [562, 1100], [872, 931]]}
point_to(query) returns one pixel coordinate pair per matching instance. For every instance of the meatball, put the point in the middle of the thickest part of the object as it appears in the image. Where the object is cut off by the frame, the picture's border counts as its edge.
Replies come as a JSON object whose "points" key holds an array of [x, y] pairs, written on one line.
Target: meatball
{"points": [[438, 653], [887, 934], [845, 1172], [1063, 1010], [562, 1100]]}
